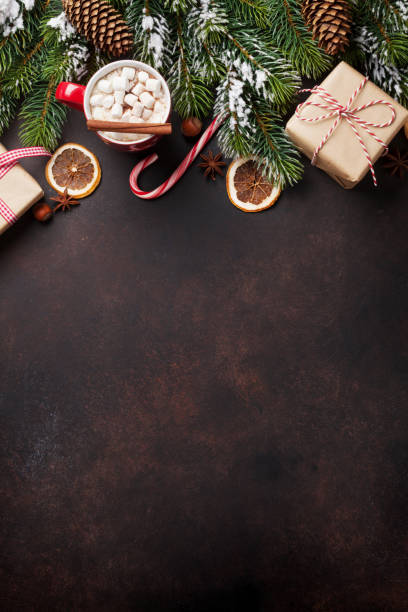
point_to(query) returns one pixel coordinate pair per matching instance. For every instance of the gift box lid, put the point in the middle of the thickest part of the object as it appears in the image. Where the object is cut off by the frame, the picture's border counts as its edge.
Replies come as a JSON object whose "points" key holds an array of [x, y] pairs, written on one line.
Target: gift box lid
{"points": [[19, 190], [342, 156]]}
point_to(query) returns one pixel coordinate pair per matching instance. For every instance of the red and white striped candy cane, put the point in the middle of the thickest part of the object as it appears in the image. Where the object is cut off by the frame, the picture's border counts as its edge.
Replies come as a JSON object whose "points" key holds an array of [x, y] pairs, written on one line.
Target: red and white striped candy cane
{"points": [[7, 161], [338, 111], [178, 173]]}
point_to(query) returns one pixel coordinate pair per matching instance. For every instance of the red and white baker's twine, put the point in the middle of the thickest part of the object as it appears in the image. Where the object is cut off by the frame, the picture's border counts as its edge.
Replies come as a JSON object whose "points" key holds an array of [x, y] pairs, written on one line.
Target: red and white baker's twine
{"points": [[350, 115], [178, 173], [7, 161]]}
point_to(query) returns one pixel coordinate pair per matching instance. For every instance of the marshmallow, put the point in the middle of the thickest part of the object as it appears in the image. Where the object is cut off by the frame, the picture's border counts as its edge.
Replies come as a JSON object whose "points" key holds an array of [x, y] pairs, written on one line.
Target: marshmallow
{"points": [[119, 83], [151, 84], [142, 76], [96, 100], [119, 96], [128, 73], [130, 99], [159, 107], [99, 113], [158, 90], [105, 85], [108, 101], [134, 119], [116, 111], [146, 114], [154, 86], [126, 115], [137, 109], [146, 99], [156, 118], [137, 89]]}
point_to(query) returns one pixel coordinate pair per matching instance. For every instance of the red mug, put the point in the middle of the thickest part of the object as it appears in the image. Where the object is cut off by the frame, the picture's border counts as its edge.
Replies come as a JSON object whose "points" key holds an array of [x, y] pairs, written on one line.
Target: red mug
{"points": [[77, 96]]}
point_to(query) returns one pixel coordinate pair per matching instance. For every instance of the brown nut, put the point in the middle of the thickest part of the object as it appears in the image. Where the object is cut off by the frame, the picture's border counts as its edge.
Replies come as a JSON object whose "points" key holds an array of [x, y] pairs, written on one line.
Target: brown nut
{"points": [[42, 211], [191, 127]]}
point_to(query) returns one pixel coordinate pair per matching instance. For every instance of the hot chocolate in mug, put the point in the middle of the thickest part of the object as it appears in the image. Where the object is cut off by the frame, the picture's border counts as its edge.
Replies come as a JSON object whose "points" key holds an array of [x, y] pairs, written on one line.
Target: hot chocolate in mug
{"points": [[78, 97]]}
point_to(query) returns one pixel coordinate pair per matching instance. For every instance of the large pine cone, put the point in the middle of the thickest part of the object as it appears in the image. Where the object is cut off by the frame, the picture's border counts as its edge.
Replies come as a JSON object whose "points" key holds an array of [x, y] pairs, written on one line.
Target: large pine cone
{"points": [[330, 22], [101, 24]]}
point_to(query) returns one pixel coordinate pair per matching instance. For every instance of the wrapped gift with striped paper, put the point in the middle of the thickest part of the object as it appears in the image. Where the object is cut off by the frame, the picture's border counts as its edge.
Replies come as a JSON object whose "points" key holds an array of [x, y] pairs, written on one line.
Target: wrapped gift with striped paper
{"points": [[18, 189], [345, 125]]}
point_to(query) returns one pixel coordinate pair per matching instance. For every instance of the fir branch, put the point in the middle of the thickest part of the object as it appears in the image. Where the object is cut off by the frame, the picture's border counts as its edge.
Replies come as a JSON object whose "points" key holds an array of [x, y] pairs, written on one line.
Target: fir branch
{"points": [[208, 22], [394, 48], [23, 73], [250, 129], [206, 28], [295, 40], [8, 107], [119, 5], [12, 47], [262, 67], [192, 97], [380, 44], [151, 32], [179, 6], [13, 15], [42, 116], [249, 11]]}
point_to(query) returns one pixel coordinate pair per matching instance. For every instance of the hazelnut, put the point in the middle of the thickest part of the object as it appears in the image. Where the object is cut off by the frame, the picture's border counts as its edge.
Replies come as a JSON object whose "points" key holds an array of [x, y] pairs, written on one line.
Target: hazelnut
{"points": [[191, 127], [42, 211]]}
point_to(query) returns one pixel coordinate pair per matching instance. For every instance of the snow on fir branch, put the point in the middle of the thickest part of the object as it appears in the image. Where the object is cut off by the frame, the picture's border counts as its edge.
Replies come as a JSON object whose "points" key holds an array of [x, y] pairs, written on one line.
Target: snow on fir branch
{"points": [[151, 32], [155, 31], [12, 15], [63, 26], [381, 41]]}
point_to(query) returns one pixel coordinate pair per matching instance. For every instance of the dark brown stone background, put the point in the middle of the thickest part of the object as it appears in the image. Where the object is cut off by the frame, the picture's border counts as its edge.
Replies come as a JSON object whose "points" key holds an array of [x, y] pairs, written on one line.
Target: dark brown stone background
{"points": [[203, 410]]}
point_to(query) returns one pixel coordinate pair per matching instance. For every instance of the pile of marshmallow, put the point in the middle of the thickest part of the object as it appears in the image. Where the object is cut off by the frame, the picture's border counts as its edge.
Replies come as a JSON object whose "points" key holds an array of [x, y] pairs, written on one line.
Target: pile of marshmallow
{"points": [[129, 95]]}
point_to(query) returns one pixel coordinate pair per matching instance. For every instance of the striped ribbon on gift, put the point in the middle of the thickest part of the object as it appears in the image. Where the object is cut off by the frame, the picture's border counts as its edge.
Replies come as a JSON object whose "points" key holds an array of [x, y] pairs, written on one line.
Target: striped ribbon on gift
{"points": [[7, 161], [351, 115]]}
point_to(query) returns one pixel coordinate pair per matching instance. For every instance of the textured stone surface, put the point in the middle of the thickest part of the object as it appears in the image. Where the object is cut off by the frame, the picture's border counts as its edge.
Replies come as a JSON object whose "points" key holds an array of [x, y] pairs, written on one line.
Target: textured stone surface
{"points": [[203, 410]]}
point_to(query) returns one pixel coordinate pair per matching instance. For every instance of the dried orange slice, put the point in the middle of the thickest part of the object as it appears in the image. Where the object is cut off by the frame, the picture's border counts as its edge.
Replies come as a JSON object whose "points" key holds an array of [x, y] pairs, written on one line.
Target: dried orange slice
{"points": [[75, 168], [247, 189]]}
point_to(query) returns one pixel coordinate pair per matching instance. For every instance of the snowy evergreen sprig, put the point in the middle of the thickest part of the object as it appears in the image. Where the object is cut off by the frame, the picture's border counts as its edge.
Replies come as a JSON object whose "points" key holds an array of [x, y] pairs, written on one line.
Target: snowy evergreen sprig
{"points": [[151, 31], [250, 129], [191, 94], [12, 13], [262, 67], [33, 61], [380, 43]]}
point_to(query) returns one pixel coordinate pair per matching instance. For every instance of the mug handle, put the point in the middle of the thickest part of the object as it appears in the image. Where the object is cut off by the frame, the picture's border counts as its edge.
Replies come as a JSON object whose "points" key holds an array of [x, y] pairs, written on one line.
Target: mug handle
{"points": [[71, 94]]}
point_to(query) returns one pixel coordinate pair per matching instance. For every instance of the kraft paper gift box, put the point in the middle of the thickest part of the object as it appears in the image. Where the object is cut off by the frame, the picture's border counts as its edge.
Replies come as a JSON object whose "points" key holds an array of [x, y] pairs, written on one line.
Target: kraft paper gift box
{"points": [[19, 190], [342, 157]]}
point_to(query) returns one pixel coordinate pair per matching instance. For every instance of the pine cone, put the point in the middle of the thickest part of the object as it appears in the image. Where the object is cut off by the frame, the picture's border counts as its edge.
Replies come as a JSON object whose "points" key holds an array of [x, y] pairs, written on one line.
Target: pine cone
{"points": [[101, 24], [330, 22]]}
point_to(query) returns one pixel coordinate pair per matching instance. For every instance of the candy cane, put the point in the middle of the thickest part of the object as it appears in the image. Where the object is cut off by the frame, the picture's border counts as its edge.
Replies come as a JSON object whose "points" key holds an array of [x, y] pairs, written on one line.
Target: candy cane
{"points": [[178, 173]]}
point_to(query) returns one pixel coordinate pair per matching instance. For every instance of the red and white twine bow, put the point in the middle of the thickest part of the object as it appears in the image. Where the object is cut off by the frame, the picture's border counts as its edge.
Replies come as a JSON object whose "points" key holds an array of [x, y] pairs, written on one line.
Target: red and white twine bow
{"points": [[7, 161], [178, 173], [338, 111]]}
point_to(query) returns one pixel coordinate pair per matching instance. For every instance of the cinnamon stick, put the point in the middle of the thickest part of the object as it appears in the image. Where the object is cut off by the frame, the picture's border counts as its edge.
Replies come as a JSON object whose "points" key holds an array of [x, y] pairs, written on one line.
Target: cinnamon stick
{"points": [[158, 129]]}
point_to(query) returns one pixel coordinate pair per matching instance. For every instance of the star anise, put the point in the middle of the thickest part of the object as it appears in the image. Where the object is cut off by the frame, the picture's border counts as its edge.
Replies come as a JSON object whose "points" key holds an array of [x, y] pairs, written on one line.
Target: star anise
{"points": [[65, 201], [396, 163], [212, 164]]}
